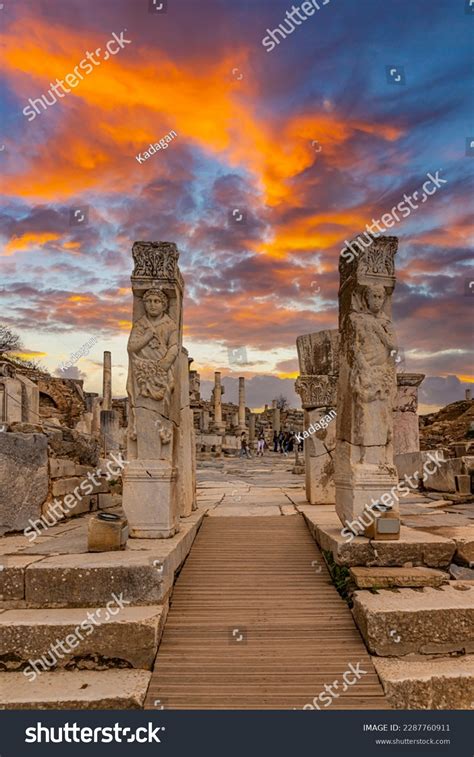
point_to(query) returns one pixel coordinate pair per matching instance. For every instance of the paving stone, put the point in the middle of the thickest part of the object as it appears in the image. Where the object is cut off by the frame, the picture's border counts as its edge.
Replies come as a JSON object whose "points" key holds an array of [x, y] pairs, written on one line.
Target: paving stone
{"points": [[435, 522], [463, 536], [75, 690], [12, 544], [416, 621], [387, 578], [288, 510], [443, 683], [246, 510]]}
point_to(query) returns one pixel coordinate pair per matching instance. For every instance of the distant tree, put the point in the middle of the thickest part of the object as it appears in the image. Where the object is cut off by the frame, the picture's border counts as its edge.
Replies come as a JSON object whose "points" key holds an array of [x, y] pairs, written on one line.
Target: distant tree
{"points": [[281, 401], [9, 341]]}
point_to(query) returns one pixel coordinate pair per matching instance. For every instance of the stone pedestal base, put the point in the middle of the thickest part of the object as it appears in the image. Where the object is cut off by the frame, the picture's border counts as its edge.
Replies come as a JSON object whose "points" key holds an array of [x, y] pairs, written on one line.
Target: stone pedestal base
{"points": [[150, 499], [364, 486]]}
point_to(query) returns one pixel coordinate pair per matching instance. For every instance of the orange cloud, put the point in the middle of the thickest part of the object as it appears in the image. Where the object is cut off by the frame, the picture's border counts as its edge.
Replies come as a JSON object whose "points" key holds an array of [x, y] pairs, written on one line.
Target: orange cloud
{"points": [[131, 99], [27, 240]]}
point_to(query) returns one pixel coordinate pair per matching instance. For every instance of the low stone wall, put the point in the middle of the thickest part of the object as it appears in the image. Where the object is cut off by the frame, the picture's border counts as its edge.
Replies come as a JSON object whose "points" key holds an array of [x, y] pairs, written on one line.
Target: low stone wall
{"points": [[51, 474], [453, 475]]}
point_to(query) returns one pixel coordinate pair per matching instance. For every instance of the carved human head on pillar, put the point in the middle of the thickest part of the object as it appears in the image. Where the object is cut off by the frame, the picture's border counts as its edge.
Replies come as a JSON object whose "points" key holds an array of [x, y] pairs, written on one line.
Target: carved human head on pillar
{"points": [[373, 297], [155, 302]]}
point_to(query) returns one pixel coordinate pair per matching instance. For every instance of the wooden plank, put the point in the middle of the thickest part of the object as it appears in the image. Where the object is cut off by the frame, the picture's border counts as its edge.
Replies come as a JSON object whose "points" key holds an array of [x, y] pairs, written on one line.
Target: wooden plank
{"points": [[255, 578]]}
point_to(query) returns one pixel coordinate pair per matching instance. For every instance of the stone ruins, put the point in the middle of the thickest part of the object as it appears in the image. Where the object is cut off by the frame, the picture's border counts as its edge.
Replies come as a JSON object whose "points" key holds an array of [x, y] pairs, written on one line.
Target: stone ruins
{"points": [[220, 425], [103, 497]]}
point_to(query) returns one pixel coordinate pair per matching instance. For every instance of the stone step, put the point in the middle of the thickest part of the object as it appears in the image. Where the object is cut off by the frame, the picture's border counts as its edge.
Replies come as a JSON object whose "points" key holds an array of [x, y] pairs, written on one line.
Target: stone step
{"points": [[49, 575], [416, 621], [443, 683], [76, 690], [129, 638], [389, 578], [414, 547]]}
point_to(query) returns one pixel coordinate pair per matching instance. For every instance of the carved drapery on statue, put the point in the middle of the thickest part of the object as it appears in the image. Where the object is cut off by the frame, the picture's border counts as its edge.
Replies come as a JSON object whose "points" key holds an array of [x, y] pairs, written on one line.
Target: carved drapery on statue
{"points": [[153, 348], [370, 344]]}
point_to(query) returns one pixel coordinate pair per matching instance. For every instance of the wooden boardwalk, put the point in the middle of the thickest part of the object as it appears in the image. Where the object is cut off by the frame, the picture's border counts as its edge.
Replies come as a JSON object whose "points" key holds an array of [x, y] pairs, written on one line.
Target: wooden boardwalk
{"points": [[255, 623]]}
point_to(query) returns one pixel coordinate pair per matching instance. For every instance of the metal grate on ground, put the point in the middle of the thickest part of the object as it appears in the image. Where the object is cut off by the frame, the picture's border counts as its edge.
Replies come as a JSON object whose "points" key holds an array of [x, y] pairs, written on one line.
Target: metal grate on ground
{"points": [[255, 623]]}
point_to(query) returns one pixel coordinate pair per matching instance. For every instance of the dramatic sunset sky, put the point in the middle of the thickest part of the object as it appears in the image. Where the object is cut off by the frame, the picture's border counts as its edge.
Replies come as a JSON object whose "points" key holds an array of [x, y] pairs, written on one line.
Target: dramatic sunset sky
{"points": [[308, 142]]}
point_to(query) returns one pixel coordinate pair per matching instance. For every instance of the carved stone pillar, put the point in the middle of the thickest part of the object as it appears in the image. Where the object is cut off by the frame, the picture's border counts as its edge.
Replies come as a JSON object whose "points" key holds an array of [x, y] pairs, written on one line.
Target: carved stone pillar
{"points": [[110, 430], [155, 373], [218, 391], [186, 445], [317, 385], [107, 382], [242, 426], [364, 469], [406, 435]]}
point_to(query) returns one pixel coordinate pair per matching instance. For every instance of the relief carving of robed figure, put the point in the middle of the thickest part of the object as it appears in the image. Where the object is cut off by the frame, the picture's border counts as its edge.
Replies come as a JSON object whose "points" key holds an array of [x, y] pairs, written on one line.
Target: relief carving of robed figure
{"points": [[372, 377], [152, 349]]}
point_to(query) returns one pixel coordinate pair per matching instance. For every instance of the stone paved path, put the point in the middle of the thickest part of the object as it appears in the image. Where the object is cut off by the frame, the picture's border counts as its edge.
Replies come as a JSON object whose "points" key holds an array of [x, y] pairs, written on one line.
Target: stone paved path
{"points": [[255, 621], [259, 486]]}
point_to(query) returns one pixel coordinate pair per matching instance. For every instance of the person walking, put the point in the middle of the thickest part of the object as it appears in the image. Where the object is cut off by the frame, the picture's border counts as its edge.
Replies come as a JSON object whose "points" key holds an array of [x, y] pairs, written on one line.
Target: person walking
{"points": [[275, 441], [244, 448], [260, 443]]}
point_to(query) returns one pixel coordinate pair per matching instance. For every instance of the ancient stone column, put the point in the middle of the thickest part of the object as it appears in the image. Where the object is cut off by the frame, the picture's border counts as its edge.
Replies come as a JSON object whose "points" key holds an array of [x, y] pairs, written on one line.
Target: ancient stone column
{"points": [[150, 498], [186, 443], [218, 391], [95, 410], [107, 382], [242, 426], [317, 387], [364, 471], [110, 430], [406, 435], [109, 419], [468, 394], [276, 417]]}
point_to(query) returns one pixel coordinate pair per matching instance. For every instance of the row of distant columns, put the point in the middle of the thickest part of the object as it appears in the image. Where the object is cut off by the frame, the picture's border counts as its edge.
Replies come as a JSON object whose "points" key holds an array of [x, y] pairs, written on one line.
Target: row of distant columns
{"points": [[218, 392]]}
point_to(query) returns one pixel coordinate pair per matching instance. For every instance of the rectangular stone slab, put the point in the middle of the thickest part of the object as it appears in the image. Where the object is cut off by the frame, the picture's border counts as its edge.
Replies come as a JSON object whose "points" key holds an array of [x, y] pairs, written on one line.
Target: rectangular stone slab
{"points": [[131, 636], [415, 547], [444, 683], [75, 690], [144, 572], [388, 578], [409, 621]]}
